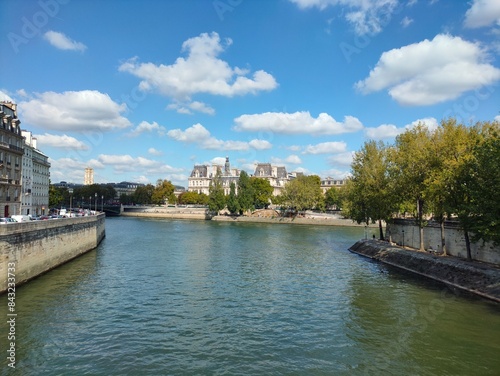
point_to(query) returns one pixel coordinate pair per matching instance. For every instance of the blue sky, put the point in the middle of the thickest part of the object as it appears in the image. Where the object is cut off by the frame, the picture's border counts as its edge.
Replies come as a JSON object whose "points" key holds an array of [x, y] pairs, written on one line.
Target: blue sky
{"points": [[144, 90]]}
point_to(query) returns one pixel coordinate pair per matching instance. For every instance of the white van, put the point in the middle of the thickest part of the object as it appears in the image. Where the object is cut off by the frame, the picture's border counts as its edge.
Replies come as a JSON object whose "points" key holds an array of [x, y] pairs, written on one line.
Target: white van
{"points": [[21, 218]]}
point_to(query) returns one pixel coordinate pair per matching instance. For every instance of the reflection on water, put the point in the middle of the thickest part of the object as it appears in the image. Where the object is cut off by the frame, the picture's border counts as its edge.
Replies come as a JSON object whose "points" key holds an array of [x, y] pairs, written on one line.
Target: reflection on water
{"points": [[180, 297]]}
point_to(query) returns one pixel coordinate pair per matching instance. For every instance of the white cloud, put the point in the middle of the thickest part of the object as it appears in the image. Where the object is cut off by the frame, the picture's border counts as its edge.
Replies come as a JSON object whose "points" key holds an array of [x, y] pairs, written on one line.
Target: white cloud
{"points": [[326, 148], [200, 72], [76, 111], [482, 13], [61, 41], [497, 118], [61, 142], [153, 151], [5, 97], [70, 169], [199, 135], [430, 72], [405, 22], [188, 108], [366, 16], [145, 127], [386, 131], [335, 173], [126, 163], [341, 159], [431, 124], [296, 123], [295, 148], [383, 131], [291, 159]]}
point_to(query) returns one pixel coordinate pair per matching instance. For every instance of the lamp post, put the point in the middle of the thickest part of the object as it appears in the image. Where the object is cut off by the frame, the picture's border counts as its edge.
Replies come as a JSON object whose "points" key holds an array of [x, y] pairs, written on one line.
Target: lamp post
{"points": [[70, 190], [102, 203], [403, 238], [95, 207], [82, 203], [90, 204]]}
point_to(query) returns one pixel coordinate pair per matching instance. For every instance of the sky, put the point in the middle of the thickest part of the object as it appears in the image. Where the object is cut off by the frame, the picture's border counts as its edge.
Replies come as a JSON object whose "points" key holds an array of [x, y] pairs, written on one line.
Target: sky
{"points": [[144, 90]]}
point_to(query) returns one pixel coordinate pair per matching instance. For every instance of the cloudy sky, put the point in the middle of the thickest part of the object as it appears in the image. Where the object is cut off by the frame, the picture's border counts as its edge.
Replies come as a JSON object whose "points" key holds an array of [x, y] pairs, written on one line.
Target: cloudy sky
{"points": [[144, 90]]}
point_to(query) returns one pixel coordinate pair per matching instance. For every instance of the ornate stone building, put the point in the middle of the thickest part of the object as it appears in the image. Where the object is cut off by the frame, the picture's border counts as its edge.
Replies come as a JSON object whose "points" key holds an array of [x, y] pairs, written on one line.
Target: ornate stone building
{"points": [[11, 154], [275, 175], [202, 175], [36, 178]]}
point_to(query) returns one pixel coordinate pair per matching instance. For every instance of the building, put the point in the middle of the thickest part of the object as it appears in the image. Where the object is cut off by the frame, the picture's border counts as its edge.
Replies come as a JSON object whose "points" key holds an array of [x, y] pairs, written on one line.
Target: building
{"points": [[88, 179], [35, 178], [125, 187], [11, 154], [202, 175], [329, 182], [275, 175]]}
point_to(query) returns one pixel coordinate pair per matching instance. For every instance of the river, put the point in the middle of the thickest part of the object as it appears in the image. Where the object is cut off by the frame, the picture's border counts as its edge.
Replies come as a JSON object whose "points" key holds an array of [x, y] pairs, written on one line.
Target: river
{"points": [[171, 297]]}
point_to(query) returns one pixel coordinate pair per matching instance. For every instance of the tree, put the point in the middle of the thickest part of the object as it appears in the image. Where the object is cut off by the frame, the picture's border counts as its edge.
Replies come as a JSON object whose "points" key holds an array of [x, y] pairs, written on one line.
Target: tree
{"points": [[245, 193], [262, 192], [232, 201], [332, 198], [483, 182], [303, 192], [368, 194], [143, 195], [216, 198], [410, 169], [56, 195], [164, 191]]}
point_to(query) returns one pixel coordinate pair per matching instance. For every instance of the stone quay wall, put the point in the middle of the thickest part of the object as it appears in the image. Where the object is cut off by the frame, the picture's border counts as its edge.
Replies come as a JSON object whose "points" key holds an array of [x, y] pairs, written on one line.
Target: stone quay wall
{"points": [[454, 240], [475, 277], [33, 248]]}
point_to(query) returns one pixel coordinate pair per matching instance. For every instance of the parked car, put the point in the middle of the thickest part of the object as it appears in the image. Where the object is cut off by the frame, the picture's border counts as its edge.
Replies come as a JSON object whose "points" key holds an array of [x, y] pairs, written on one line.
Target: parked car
{"points": [[4, 221], [21, 218]]}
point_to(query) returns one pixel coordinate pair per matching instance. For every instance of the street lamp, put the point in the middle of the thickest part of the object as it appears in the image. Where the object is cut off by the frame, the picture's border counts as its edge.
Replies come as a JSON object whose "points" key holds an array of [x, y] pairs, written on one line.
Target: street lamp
{"points": [[102, 203], [70, 190], [95, 203], [90, 204]]}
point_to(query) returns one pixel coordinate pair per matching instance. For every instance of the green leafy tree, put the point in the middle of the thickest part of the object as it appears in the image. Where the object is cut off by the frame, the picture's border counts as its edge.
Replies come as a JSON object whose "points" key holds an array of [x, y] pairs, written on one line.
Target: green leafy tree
{"points": [[232, 200], [333, 198], [192, 198], [262, 192], [164, 191], [143, 195], [216, 197], [245, 193], [410, 169], [303, 192], [56, 196], [369, 197], [484, 183]]}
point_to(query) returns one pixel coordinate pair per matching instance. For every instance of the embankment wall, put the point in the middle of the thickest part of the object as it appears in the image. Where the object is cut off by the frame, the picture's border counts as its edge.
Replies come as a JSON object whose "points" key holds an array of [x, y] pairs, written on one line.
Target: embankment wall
{"points": [[454, 240], [36, 247], [476, 277]]}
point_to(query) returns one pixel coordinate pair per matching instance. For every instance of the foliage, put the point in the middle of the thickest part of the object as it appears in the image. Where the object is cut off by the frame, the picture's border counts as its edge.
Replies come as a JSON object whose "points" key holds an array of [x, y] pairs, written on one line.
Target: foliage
{"points": [[216, 197], [56, 196], [192, 198], [482, 179], [333, 198], [143, 195], [164, 191], [245, 193], [232, 201], [262, 192], [303, 192]]}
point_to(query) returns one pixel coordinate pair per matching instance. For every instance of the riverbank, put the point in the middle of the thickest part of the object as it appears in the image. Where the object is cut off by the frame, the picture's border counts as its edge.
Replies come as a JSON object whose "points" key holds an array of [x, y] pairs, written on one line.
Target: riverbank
{"points": [[260, 216], [479, 278], [30, 249]]}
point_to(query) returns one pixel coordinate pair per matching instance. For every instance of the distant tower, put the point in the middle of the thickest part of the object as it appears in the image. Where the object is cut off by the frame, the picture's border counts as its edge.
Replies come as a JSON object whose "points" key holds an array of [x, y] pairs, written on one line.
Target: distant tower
{"points": [[89, 176], [227, 167]]}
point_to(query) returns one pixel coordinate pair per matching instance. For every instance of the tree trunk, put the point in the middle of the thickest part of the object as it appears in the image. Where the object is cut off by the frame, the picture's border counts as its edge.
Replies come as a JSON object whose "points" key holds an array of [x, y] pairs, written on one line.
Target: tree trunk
{"points": [[467, 245], [443, 243], [420, 208], [380, 229]]}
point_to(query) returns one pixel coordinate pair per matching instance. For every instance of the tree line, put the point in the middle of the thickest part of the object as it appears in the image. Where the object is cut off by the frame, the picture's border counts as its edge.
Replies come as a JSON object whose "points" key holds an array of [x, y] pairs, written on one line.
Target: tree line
{"points": [[450, 172]]}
